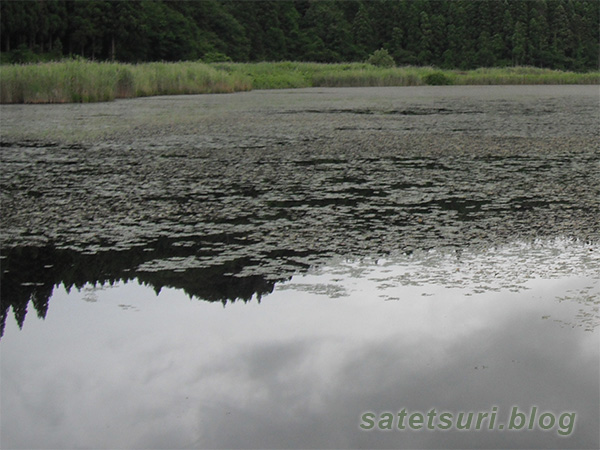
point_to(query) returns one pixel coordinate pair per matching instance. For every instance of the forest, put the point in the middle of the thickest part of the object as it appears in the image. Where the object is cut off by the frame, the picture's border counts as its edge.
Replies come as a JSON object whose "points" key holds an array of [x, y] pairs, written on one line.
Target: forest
{"points": [[462, 34]]}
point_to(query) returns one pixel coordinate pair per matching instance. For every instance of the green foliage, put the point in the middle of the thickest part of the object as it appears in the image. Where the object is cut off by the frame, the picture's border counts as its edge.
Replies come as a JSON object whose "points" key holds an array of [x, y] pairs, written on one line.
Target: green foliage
{"points": [[363, 31], [437, 79], [213, 57], [84, 81], [281, 75], [79, 80], [562, 34], [22, 55], [381, 58]]}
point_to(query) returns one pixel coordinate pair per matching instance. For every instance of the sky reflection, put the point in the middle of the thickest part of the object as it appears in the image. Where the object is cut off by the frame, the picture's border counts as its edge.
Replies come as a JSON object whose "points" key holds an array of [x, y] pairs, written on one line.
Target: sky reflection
{"points": [[122, 367]]}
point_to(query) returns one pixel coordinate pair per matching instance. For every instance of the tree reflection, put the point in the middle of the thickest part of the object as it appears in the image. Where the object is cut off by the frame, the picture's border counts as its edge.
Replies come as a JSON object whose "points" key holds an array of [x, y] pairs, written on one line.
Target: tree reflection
{"points": [[29, 274]]}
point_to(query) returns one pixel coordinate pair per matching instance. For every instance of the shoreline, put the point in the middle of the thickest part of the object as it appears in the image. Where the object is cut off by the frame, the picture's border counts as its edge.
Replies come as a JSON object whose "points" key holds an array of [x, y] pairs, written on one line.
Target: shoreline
{"points": [[88, 82]]}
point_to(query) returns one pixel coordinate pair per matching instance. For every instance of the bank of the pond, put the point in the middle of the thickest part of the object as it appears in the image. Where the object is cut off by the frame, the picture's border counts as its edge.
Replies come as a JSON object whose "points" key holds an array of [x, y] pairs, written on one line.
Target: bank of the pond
{"points": [[84, 81]]}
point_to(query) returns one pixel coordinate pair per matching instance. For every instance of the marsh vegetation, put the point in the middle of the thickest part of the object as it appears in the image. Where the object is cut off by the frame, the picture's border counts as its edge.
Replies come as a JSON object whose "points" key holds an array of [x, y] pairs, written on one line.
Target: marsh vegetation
{"points": [[85, 81]]}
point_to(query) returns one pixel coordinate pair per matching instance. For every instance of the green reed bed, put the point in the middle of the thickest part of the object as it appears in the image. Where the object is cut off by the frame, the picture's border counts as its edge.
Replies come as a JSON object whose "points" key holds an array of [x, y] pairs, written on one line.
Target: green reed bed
{"points": [[281, 75], [524, 75], [297, 74], [184, 78], [285, 75], [367, 75], [84, 81], [57, 82]]}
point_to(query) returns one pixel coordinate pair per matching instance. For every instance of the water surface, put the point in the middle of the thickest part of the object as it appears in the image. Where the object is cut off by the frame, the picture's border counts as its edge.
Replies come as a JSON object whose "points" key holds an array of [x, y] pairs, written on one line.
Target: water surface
{"points": [[257, 270]]}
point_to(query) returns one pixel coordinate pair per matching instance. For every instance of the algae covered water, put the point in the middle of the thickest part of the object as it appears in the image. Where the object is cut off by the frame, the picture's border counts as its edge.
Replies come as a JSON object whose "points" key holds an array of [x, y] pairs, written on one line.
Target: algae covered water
{"points": [[376, 249]]}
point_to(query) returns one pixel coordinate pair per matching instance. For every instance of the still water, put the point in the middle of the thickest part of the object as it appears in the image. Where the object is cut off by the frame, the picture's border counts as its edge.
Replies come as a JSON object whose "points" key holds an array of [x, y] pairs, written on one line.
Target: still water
{"points": [[259, 270]]}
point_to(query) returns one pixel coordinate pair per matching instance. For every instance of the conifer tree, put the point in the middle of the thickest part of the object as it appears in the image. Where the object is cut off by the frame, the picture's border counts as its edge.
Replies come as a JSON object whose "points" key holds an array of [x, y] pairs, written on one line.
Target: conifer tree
{"points": [[362, 30]]}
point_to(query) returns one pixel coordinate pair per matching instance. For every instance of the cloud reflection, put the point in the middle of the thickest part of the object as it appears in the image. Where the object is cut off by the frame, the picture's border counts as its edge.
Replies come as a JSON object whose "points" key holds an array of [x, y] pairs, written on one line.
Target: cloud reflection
{"points": [[299, 369]]}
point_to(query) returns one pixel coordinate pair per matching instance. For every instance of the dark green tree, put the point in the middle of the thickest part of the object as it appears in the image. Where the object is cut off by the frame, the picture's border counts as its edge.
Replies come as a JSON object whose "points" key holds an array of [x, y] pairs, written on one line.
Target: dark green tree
{"points": [[330, 33], [363, 32], [485, 53], [519, 42], [425, 55], [537, 40], [562, 38]]}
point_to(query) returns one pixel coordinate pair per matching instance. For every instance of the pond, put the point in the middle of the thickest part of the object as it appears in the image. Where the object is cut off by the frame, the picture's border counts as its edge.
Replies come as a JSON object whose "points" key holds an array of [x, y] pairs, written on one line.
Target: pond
{"points": [[303, 269]]}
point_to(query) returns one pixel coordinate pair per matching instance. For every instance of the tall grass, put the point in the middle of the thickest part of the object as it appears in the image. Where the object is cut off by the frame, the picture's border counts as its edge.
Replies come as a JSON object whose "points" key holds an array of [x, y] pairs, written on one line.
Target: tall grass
{"points": [[57, 83], [298, 74], [525, 75], [184, 78], [282, 75], [367, 75], [294, 75], [83, 81]]}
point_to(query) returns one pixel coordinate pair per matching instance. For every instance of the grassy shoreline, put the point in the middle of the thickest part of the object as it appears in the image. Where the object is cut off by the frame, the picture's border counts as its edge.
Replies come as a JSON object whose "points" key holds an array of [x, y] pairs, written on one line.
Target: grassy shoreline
{"points": [[84, 81]]}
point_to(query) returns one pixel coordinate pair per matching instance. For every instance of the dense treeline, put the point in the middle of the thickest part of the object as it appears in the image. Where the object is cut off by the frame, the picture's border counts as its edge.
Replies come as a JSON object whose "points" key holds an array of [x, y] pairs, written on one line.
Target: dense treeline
{"points": [[465, 34]]}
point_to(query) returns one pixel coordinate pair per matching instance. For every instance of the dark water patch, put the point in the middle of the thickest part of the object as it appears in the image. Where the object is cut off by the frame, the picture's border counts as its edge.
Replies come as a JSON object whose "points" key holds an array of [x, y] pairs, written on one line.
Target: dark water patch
{"points": [[173, 155], [406, 186], [360, 111], [527, 203], [423, 162], [350, 128], [348, 179], [34, 144], [465, 208], [365, 192], [417, 111], [315, 162], [315, 202]]}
